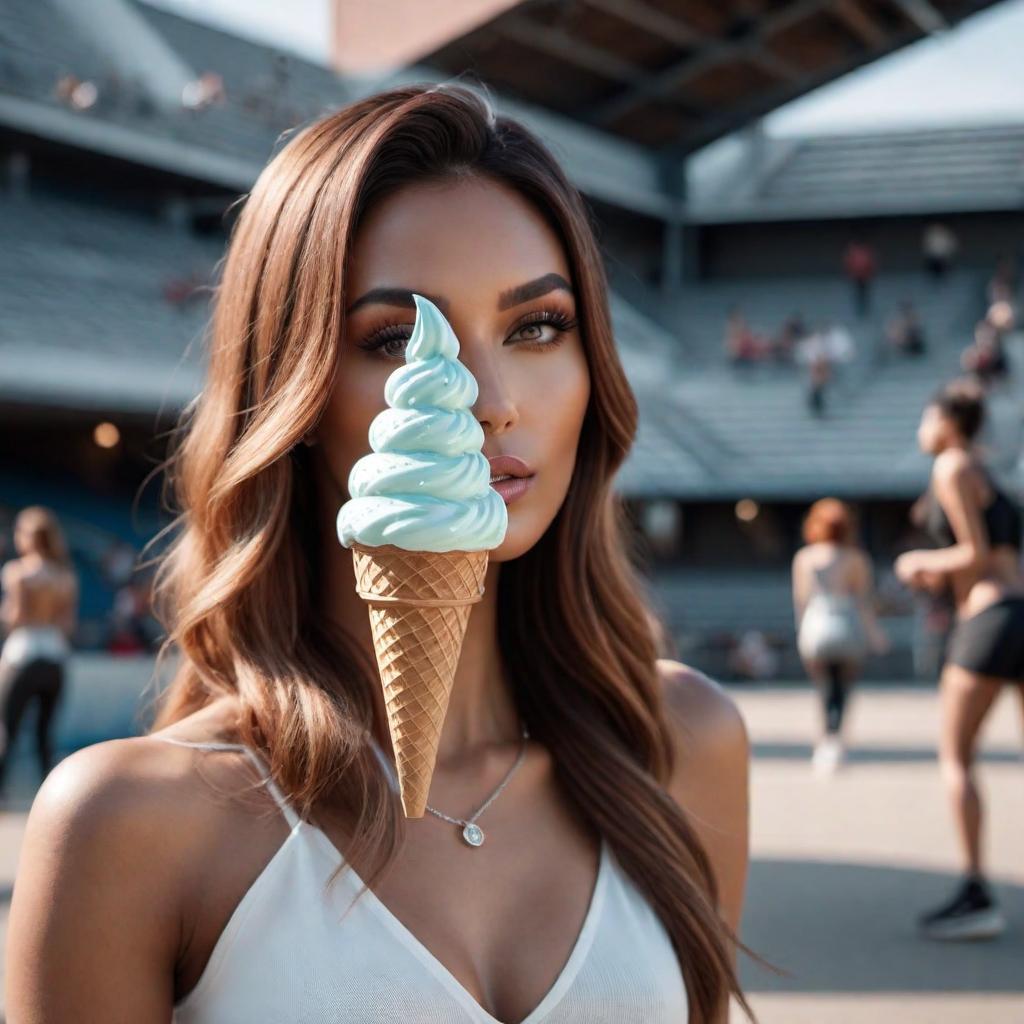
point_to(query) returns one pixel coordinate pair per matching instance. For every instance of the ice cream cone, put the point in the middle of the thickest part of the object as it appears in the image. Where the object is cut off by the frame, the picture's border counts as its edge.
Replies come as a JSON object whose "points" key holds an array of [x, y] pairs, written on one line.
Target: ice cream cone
{"points": [[419, 604]]}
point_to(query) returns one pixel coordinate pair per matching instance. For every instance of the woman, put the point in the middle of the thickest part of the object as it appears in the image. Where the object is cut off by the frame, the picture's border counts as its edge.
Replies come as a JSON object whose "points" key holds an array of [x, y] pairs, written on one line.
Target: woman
{"points": [[40, 598], [615, 855], [978, 530], [835, 618]]}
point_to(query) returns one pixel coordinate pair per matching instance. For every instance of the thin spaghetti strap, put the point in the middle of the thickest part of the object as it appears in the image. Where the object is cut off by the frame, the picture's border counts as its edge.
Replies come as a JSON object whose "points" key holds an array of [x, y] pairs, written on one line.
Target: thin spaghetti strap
{"points": [[285, 808], [283, 805]]}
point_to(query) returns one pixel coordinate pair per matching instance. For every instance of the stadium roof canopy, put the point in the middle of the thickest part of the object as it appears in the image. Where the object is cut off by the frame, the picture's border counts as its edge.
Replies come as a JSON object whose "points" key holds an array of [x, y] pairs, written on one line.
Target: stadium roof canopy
{"points": [[939, 171], [674, 76], [625, 87]]}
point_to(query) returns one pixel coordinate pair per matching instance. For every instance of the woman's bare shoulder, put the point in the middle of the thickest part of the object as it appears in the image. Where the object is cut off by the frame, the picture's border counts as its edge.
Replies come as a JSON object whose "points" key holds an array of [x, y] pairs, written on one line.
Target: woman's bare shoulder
{"points": [[124, 840], [137, 794], [711, 777], [706, 721], [132, 802], [136, 778]]}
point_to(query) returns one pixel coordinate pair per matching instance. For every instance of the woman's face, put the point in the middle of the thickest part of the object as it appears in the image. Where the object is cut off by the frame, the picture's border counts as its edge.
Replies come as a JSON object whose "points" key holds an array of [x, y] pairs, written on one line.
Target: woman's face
{"points": [[499, 274]]}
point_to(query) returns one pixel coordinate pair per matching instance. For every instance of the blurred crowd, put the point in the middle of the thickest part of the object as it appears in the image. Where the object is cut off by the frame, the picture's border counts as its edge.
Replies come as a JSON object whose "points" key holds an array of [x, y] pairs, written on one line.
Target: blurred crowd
{"points": [[821, 349]]}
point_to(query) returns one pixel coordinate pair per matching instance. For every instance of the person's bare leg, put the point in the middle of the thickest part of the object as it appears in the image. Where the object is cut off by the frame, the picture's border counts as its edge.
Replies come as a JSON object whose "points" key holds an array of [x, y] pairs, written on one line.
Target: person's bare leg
{"points": [[965, 700]]}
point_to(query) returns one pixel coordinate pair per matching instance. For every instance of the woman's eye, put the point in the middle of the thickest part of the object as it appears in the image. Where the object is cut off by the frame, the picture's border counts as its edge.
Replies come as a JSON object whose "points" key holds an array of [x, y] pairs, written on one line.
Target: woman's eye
{"points": [[535, 331], [393, 346], [389, 340], [542, 331]]}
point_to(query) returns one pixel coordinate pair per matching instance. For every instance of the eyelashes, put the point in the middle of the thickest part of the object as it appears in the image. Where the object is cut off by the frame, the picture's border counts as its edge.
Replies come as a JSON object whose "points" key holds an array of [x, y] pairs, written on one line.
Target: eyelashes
{"points": [[398, 331]]}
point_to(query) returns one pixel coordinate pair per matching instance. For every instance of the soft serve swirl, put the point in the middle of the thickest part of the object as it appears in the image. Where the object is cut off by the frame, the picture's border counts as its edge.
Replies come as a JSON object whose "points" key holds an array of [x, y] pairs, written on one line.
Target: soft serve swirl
{"points": [[426, 486]]}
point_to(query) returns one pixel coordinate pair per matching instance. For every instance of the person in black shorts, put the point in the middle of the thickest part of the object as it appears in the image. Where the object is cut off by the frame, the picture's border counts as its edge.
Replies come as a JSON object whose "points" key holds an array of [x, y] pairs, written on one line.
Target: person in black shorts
{"points": [[977, 528]]}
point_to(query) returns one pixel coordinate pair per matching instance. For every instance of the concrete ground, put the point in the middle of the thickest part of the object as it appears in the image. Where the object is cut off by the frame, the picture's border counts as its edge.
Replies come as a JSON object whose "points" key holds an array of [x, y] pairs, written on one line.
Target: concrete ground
{"points": [[840, 867]]}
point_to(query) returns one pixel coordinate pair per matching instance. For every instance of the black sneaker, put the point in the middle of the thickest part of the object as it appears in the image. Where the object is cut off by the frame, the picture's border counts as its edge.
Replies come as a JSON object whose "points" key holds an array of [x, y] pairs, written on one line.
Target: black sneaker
{"points": [[972, 913]]}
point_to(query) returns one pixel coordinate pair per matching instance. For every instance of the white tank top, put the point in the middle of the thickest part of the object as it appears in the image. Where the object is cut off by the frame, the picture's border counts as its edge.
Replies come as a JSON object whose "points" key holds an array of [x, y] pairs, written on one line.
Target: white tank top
{"points": [[287, 957]]}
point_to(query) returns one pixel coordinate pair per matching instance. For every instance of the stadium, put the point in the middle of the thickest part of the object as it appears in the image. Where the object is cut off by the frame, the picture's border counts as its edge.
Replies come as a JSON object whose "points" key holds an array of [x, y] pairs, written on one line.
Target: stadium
{"points": [[771, 369], [119, 195]]}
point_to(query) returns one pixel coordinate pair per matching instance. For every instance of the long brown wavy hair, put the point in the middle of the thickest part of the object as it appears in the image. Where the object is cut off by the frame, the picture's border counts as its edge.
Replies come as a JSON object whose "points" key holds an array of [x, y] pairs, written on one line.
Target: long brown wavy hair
{"points": [[238, 587]]}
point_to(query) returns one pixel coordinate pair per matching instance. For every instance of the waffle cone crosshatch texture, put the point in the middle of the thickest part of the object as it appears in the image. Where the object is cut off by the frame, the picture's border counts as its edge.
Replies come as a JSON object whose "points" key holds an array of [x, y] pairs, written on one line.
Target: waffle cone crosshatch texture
{"points": [[421, 522], [419, 604]]}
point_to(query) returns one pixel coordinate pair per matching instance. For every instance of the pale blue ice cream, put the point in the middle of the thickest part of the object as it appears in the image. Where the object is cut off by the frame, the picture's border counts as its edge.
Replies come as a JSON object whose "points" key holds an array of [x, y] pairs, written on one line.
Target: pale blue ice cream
{"points": [[426, 486]]}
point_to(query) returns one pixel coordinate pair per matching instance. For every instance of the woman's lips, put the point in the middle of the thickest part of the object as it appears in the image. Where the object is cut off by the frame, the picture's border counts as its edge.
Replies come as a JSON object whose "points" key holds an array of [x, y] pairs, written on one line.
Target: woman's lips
{"points": [[511, 477], [512, 487]]}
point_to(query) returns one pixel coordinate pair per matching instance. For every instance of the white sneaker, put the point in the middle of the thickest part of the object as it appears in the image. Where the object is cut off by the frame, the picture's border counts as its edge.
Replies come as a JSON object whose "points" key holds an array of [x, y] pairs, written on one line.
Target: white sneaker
{"points": [[828, 756]]}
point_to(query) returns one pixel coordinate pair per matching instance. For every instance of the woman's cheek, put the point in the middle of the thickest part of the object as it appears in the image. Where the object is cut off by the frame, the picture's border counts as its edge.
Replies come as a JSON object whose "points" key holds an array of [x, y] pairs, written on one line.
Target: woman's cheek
{"points": [[570, 401]]}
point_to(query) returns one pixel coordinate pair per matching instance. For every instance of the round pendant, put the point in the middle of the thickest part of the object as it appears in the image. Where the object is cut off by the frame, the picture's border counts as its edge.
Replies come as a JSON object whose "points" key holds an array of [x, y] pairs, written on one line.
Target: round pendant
{"points": [[473, 834]]}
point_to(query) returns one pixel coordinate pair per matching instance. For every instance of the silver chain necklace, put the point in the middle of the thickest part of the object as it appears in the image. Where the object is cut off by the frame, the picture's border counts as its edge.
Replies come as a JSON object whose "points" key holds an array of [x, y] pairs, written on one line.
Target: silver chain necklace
{"points": [[472, 833]]}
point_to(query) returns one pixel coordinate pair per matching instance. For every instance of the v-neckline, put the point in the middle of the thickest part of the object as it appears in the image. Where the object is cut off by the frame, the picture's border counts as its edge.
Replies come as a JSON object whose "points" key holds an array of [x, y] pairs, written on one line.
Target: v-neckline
{"points": [[559, 986]]}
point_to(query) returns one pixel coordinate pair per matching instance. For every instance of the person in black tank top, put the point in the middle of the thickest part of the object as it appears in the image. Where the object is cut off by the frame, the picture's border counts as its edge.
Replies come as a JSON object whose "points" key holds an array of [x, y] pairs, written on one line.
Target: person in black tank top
{"points": [[1002, 517], [977, 529]]}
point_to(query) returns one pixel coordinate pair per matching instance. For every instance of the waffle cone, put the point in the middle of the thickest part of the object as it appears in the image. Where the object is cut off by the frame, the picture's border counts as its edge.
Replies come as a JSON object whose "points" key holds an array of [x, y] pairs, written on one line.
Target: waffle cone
{"points": [[419, 604]]}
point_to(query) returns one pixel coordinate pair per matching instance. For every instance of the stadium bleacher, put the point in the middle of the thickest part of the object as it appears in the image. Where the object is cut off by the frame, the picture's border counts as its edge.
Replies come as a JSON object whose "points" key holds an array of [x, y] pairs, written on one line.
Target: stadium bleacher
{"points": [[84, 287], [89, 321], [748, 430], [267, 91]]}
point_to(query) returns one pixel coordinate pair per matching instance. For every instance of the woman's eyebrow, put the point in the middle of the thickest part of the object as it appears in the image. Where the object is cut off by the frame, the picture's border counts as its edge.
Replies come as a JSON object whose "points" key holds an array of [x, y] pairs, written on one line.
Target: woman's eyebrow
{"points": [[513, 297], [533, 289], [395, 297]]}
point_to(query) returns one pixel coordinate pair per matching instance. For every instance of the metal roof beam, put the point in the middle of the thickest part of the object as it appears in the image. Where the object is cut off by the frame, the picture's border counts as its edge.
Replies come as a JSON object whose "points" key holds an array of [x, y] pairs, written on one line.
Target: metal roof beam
{"points": [[767, 100], [860, 23], [682, 71], [775, 65], [560, 44], [923, 15], [651, 20]]}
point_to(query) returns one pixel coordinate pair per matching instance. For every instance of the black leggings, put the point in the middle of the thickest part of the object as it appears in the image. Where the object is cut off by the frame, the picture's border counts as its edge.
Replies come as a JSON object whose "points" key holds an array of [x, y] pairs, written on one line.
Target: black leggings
{"points": [[834, 696], [42, 680]]}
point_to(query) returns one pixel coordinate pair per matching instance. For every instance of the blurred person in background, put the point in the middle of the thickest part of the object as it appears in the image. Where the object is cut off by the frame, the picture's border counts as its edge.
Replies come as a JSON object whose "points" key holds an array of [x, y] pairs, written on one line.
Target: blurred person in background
{"points": [[821, 352], [38, 610], [904, 332], [792, 331], [752, 657], [1002, 315], [985, 358], [267, 780], [743, 345], [833, 603], [978, 530], [1002, 286], [861, 267], [939, 247], [819, 374]]}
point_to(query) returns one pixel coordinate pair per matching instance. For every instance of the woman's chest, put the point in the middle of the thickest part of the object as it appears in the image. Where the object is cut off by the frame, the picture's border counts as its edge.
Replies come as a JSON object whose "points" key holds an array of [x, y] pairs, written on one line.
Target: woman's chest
{"points": [[503, 919], [290, 955]]}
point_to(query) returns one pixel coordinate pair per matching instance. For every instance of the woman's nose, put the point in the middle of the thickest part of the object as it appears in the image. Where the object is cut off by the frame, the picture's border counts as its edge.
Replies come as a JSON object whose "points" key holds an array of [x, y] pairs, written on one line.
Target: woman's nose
{"points": [[495, 407]]}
